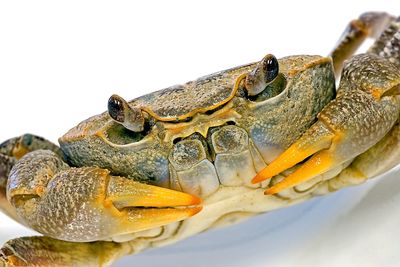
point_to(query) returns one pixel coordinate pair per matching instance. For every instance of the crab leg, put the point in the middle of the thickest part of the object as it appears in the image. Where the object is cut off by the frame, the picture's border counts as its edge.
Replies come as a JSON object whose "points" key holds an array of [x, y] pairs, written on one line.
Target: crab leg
{"points": [[366, 108], [388, 44], [46, 251], [89, 204], [6, 164], [370, 24]]}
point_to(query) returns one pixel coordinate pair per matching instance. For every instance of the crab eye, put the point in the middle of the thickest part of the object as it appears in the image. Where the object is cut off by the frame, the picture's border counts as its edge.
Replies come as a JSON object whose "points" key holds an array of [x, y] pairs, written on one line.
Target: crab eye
{"points": [[264, 73], [120, 111], [271, 68], [116, 107]]}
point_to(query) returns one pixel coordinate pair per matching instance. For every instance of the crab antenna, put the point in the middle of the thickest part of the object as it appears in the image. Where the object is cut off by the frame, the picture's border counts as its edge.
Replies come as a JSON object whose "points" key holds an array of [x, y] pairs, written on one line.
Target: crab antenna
{"points": [[120, 111]]}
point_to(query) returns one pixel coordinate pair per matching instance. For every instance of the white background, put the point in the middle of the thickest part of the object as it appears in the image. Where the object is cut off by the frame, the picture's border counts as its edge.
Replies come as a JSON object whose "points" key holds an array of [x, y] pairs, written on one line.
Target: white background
{"points": [[60, 61]]}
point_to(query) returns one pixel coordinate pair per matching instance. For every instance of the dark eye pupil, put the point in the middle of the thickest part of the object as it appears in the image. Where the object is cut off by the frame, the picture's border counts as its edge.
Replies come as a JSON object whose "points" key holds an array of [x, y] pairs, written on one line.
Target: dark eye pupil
{"points": [[271, 68], [116, 109]]}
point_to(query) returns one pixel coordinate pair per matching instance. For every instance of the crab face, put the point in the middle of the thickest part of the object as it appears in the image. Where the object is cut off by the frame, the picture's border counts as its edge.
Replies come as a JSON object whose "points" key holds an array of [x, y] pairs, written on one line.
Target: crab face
{"points": [[269, 103]]}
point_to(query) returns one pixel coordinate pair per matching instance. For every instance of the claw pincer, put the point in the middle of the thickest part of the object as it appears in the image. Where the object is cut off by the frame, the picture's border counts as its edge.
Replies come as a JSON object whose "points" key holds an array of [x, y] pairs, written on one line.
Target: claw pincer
{"points": [[365, 109], [86, 204]]}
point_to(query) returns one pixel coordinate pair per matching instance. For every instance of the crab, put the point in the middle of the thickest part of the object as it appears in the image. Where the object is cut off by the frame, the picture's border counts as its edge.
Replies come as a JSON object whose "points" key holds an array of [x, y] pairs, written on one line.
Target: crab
{"points": [[208, 153]]}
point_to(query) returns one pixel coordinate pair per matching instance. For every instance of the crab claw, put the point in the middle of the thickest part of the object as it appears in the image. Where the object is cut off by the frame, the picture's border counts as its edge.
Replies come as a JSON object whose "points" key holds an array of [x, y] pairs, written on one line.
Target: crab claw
{"points": [[146, 206], [316, 139], [315, 143], [89, 204], [352, 123]]}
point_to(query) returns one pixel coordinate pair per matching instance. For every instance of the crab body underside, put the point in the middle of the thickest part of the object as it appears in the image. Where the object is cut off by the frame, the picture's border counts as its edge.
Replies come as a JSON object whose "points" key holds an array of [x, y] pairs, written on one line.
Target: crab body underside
{"points": [[208, 153]]}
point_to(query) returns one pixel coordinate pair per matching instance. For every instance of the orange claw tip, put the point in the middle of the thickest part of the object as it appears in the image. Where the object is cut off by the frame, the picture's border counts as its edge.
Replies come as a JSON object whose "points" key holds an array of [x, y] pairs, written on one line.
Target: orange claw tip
{"points": [[277, 188], [316, 165], [259, 178], [184, 213], [271, 191], [162, 197], [195, 210], [196, 200]]}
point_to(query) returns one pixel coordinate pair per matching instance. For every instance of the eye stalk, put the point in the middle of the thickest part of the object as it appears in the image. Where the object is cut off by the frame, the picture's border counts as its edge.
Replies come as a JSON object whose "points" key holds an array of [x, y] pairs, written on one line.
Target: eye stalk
{"points": [[264, 73], [120, 111]]}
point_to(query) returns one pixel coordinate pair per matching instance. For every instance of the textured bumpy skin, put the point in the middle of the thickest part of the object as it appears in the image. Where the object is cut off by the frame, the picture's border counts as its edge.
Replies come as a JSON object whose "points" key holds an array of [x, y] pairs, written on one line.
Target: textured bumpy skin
{"points": [[6, 164], [85, 204], [271, 123], [27, 192], [45, 251], [210, 138], [10, 152], [388, 45], [360, 87], [181, 101], [366, 78]]}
